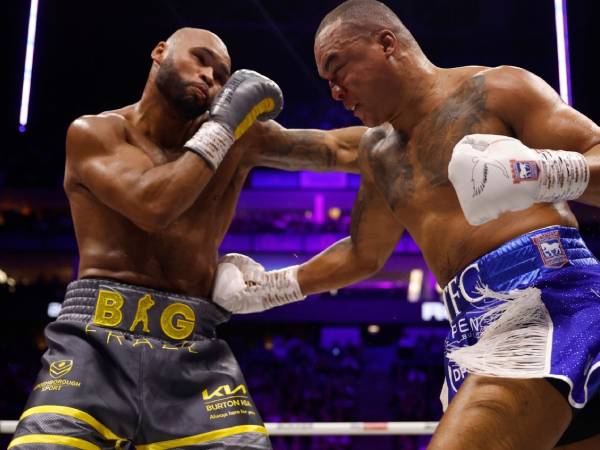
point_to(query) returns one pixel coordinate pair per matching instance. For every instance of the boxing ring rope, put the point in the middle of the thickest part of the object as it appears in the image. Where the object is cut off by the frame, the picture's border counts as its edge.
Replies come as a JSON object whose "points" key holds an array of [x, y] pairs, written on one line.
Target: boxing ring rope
{"points": [[319, 428], [350, 428]]}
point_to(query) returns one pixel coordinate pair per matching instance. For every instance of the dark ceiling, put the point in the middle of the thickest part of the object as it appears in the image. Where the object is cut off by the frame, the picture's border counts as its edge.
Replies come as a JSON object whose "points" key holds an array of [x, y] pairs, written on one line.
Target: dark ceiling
{"points": [[92, 56]]}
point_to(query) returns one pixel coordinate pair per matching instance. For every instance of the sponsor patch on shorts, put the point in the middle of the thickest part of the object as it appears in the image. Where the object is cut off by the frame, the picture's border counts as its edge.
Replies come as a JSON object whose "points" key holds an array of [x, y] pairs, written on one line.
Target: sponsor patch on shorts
{"points": [[551, 250], [524, 171], [59, 369]]}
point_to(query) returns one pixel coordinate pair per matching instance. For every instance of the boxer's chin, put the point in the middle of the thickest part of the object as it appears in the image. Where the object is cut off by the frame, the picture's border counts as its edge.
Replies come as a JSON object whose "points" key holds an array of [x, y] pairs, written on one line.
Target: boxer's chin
{"points": [[370, 121], [190, 107], [367, 118]]}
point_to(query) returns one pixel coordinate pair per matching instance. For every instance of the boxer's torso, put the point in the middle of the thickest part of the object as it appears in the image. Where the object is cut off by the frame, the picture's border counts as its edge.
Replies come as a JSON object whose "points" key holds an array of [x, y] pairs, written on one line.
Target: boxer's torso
{"points": [[412, 173], [181, 257]]}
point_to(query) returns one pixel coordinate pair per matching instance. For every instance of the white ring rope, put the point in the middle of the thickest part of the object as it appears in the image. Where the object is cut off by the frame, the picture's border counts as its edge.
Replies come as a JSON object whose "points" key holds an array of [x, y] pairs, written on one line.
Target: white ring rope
{"points": [[349, 428], [8, 426], [319, 428]]}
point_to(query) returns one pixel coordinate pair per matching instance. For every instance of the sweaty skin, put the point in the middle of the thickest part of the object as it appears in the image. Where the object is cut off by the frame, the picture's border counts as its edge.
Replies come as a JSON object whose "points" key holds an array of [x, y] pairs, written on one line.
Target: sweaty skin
{"points": [[149, 213], [419, 112], [404, 164]]}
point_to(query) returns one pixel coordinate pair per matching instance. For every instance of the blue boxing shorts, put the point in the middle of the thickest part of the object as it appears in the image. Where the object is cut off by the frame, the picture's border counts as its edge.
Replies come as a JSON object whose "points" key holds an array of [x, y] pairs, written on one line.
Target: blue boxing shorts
{"points": [[132, 367], [530, 309]]}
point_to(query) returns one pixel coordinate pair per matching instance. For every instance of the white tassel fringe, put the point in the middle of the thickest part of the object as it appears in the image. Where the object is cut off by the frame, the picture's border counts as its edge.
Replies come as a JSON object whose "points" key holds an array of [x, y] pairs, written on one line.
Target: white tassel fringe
{"points": [[516, 339]]}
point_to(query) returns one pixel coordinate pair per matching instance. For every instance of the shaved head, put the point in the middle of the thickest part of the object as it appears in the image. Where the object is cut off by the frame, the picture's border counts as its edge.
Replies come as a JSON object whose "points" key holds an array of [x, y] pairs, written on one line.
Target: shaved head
{"points": [[364, 17], [186, 37]]}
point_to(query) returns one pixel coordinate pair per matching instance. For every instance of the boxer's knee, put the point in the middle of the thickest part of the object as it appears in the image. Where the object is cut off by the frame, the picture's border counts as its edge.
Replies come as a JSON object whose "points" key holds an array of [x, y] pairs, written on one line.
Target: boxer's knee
{"points": [[507, 397], [503, 414]]}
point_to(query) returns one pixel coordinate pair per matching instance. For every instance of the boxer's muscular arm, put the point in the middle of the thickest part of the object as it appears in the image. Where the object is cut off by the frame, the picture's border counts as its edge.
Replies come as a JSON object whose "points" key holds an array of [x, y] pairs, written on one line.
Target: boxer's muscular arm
{"points": [[373, 236], [541, 120], [243, 286], [125, 179], [316, 150]]}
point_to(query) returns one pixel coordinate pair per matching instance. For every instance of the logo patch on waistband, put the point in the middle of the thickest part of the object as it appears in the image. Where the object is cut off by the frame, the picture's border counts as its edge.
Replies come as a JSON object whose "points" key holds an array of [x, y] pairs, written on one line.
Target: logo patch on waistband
{"points": [[551, 250], [524, 171], [60, 368]]}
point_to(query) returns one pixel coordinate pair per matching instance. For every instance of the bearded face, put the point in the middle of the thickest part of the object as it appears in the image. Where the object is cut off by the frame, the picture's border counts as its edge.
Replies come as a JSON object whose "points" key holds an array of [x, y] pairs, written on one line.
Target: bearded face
{"points": [[181, 94]]}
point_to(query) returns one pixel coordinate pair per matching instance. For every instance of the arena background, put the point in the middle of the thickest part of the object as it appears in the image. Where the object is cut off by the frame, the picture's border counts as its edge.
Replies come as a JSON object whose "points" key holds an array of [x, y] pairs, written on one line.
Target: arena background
{"points": [[370, 352]]}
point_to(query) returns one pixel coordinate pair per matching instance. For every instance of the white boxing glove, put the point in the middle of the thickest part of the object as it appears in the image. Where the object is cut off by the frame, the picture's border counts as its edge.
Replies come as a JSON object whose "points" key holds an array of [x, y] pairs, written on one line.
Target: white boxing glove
{"points": [[243, 286], [495, 174]]}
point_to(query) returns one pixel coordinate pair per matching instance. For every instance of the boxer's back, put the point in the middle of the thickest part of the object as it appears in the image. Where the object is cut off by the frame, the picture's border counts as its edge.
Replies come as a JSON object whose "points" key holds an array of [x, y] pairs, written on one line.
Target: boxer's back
{"points": [[412, 173], [179, 257]]}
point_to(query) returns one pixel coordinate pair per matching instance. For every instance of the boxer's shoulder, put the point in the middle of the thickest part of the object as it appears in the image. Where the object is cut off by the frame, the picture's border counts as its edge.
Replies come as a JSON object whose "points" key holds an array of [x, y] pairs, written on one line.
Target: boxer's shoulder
{"points": [[383, 145], [511, 84], [513, 93], [90, 137], [505, 74], [374, 136], [499, 80], [98, 126], [377, 147]]}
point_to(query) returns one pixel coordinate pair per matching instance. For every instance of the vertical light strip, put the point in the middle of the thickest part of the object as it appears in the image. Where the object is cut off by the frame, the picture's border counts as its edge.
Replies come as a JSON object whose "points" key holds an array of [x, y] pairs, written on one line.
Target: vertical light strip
{"points": [[562, 44], [28, 66]]}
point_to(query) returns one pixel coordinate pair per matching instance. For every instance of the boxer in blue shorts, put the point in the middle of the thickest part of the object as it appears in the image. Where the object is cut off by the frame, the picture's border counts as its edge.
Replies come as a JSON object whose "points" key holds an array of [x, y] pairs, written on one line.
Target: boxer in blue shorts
{"points": [[450, 158], [528, 309], [133, 360]]}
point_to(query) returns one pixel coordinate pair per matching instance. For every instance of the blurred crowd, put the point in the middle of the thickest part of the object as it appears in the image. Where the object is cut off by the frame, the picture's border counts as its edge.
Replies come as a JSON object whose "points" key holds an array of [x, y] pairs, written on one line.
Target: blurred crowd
{"points": [[289, 222], [299, 380], [58, 222], [27, 220]]}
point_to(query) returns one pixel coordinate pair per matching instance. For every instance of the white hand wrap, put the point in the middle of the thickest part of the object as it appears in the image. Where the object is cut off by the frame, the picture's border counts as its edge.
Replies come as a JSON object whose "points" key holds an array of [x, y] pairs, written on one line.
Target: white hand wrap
{"points": [[211, 142], [243, 286], [563, 175], [495, 174], [280, 287]]}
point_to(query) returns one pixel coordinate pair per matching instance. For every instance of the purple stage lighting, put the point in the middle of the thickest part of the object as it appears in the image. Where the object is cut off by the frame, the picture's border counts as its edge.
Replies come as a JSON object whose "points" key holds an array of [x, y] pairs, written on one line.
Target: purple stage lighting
{"points": [[562, 44], [28, 66]]}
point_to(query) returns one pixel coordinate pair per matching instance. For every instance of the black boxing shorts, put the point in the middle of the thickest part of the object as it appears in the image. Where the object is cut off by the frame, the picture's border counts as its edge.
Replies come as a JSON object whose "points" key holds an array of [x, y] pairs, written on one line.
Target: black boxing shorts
{"points": [[131, 367]]}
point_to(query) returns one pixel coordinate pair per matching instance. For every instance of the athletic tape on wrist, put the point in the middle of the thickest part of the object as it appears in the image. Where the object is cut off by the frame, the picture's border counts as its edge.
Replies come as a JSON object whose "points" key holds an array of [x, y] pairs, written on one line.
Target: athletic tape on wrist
{"points": [[282, 287], [563, 175], [211, 142]]}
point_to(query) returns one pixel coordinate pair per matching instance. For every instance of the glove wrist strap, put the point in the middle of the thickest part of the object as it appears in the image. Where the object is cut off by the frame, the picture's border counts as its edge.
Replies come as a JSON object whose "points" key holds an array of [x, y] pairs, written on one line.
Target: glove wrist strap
{"points": [[563, 175], [211, 142], [282, 287]]}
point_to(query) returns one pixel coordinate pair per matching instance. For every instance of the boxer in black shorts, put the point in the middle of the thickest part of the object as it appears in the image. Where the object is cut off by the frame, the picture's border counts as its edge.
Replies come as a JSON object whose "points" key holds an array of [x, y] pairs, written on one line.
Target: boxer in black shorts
{"points": [[133, 360], [134, 365]]}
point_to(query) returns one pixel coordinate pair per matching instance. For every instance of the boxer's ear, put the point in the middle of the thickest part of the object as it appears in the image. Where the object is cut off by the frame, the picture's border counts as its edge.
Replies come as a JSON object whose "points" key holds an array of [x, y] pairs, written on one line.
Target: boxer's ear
{"points": [[159, 52], [388, 41]]}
